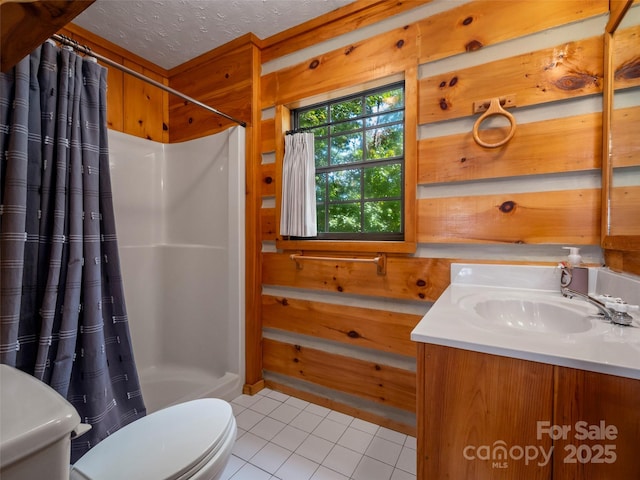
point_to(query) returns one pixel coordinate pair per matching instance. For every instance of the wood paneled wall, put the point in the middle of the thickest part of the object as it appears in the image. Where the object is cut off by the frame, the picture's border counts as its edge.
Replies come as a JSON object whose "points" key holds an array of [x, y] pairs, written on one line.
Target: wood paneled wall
{"points": [[133, 106], [324, 326], [224, 78], [625, 153]]}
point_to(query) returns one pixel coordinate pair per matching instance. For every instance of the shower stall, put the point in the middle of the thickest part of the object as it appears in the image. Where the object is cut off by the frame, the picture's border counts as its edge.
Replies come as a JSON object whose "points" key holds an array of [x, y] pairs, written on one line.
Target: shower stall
{"points": [[180, 223]]}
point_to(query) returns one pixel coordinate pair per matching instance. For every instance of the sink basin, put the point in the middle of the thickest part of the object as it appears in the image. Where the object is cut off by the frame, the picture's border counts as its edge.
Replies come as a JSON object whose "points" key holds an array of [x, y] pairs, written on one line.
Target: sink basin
{"points": [[531, 315], [534, 316]]}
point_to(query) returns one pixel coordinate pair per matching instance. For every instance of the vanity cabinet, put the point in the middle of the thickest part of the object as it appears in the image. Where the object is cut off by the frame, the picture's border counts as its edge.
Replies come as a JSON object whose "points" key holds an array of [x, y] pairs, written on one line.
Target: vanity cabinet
{"points": [[608, 408], [485, 416], [473, 408]]}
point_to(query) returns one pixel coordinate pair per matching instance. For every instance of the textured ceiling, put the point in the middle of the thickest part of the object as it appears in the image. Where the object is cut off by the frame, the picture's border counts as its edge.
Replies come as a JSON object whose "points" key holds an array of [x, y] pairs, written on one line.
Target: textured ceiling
{"points": [[171, 32]]}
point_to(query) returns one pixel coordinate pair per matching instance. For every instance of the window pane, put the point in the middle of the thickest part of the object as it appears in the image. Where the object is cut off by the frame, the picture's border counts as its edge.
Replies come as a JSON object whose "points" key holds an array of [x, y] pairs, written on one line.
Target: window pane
{"points": [[382, 217], [346, 148], [344, 218], [385, 142], [386, 118], [320, 217], [321, 152], [346, 126], [321, 187], [317, 116], [345, 110], [319, 132], [344, 185], [383, 181], [383, 101]]}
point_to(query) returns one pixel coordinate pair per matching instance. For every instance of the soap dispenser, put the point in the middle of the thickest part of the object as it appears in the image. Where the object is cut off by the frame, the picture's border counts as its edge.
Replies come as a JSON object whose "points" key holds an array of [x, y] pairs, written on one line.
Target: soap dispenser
{"points": [[574, 258], [575, 277]]}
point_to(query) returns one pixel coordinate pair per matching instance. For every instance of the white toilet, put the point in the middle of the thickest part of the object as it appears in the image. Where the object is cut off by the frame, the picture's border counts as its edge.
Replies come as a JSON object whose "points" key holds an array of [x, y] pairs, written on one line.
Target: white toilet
{"points": [[192, 440]]}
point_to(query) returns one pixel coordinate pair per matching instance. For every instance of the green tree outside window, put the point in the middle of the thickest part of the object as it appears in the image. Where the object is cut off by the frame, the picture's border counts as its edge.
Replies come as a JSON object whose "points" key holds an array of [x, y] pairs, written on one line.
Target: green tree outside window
{"points": [[359, 156]]}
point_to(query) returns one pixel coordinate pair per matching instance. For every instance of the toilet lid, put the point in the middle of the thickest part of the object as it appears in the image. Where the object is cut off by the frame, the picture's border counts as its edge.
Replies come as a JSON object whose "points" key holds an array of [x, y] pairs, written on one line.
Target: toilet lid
{"points": [[165, 445]]}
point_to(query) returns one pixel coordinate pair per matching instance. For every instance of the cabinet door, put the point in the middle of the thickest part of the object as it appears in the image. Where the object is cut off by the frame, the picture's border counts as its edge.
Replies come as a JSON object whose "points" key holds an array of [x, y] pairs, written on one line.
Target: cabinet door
{"points": [[601, 416], [478, 415]]}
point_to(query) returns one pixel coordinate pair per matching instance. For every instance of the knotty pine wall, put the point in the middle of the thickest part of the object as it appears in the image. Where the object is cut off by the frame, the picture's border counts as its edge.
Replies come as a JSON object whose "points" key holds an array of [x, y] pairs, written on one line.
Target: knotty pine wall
{"points": [[133, 106], [336, 332], [223, 78]]}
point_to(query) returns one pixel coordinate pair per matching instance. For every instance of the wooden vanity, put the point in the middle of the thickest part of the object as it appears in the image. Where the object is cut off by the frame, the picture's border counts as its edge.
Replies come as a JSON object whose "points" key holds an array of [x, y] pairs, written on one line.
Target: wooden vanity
{"points": [[484, 416], [510, 395]]}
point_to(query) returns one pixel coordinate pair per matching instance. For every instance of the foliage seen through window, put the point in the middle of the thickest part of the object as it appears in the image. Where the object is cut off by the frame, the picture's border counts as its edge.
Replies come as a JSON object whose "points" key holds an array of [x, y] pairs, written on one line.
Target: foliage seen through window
{"points": [[359, 156]]}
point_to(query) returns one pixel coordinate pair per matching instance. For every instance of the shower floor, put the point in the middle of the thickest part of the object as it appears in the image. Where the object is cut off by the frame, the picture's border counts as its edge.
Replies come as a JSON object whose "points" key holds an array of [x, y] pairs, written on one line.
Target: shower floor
{"points": [[167, 385]]}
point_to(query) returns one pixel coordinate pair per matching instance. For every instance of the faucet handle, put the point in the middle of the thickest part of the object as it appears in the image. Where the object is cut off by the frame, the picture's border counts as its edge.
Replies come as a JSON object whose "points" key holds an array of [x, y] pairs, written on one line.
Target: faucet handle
{"points": [[605, 298], [621, 307]]}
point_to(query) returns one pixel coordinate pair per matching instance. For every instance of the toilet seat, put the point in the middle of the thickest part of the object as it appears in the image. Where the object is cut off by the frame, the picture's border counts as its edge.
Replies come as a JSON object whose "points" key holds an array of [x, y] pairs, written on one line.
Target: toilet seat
{"points": [[171, 444]]}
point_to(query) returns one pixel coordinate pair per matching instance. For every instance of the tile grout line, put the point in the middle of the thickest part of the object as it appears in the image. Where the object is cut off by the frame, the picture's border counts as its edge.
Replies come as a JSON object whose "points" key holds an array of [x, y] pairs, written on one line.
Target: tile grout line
{"points": [[335, 423]]}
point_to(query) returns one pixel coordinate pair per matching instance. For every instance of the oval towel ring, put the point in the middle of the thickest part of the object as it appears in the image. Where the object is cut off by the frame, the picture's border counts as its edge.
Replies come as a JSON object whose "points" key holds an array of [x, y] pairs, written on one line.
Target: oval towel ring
{"points": [[494, 109]]}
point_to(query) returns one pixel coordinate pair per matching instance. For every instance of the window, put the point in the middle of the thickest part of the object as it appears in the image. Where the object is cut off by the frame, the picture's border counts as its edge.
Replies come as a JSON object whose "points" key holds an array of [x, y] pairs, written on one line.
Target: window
{"points": [[359, 156]]}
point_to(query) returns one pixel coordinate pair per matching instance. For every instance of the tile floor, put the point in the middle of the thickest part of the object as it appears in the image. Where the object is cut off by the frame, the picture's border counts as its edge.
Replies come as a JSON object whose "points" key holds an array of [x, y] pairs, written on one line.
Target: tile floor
{"points": [[284, 438]]}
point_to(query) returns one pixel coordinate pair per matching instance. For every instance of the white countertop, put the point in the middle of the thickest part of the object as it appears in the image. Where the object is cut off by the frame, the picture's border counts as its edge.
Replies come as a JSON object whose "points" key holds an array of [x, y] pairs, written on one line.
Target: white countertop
{"points": [[605, 348]]}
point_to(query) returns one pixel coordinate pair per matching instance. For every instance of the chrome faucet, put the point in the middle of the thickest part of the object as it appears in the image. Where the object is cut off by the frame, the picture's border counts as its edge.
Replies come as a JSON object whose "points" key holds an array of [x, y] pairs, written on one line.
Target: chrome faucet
{"points": [[613, 309]]}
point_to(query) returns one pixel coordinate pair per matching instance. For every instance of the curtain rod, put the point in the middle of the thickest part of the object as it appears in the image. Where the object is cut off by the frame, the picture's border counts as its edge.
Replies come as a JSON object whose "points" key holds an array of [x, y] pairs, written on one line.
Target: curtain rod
{"points": [[299, 130], [87, 51]]}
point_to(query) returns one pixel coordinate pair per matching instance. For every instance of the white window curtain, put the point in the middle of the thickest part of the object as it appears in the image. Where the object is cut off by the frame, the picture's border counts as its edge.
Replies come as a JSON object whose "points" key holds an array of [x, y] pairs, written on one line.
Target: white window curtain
{"points": [[298, 214]]}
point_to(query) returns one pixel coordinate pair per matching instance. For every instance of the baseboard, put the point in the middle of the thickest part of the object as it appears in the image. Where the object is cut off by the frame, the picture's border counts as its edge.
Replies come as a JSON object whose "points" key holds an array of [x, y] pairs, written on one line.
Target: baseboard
{"points": [[342, 407], [254, 388]]}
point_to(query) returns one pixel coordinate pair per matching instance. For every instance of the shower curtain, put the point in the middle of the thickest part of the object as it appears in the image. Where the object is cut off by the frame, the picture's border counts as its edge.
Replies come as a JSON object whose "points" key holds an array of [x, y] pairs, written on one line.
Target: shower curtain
{"points": [[63, 314]]}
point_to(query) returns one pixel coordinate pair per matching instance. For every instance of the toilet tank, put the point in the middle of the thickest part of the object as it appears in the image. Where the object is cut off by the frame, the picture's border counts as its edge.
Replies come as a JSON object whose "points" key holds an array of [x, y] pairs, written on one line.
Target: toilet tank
{"points": [[35, 428]]}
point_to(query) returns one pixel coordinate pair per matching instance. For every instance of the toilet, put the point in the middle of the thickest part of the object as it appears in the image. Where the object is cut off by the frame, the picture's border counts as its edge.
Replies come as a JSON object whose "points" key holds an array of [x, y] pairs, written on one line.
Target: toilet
{"points": [[191, 440]]}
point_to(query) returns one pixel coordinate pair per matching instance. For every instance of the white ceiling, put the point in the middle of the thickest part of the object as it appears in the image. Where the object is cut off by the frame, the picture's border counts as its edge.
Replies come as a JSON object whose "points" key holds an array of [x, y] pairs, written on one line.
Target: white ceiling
{"points": [[171, 32]]}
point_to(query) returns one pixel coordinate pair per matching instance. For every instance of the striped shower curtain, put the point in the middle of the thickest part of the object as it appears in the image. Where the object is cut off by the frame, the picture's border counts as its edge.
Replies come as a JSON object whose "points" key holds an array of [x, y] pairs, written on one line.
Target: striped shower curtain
{"points": [[298, 212], [63, 314]]}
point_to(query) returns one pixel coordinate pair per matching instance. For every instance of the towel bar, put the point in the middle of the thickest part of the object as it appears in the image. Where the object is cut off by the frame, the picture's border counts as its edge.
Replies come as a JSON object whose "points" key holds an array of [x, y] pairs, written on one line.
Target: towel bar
{"points": [[380, 260]]}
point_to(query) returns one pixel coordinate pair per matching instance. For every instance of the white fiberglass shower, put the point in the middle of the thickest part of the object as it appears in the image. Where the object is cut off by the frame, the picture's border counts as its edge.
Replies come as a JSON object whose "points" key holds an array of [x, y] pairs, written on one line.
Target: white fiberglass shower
{"points": [[180, 223]]}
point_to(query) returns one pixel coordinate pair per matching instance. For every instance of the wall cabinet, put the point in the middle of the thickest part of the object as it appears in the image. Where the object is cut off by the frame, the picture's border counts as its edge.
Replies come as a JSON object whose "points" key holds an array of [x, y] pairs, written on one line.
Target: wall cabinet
{"points": [[484, 416]]}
